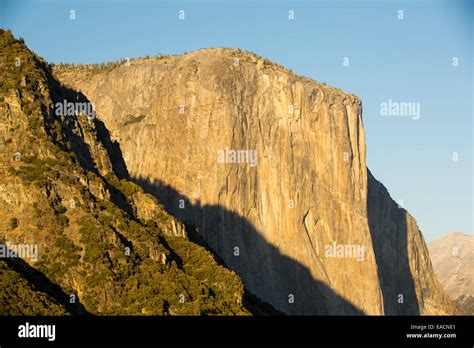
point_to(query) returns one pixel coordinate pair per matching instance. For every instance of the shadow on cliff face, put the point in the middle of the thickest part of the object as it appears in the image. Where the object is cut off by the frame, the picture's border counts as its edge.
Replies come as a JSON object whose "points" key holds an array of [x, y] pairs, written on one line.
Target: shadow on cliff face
{"points": [[388, 228], [73, 131], [61, 94], [266, 272]]}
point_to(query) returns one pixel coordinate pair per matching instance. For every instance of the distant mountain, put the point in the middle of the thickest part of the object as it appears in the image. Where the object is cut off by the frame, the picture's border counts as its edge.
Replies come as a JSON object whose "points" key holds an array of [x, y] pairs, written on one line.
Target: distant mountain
{"points": [[453, 260]]}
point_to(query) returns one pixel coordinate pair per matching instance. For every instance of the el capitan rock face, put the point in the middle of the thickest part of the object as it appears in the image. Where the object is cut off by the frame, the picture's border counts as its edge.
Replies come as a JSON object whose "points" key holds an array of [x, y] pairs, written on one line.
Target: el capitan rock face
{"points": [[276, 223]]}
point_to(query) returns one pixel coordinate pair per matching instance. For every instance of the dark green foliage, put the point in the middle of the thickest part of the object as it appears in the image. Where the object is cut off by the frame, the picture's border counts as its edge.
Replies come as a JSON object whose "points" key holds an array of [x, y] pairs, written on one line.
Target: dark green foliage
{"points": [[133, 119], [19, 65], [58, 260], [63, 220], [38, 211], [20, 297], [66, 245], [13, 223], [59, 208], [34, 170], [126, 187]]}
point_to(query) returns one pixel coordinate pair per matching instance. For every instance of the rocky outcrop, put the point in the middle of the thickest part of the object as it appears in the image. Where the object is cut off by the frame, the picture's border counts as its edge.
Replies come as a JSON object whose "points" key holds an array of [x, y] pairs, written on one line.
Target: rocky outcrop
{"points": [[147, 208], [270, 169], [453, 262]]}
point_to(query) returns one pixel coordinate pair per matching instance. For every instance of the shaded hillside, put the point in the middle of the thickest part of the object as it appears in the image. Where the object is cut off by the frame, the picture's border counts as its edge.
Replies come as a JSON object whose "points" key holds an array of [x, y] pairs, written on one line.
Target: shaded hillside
{"points": [[101, 239], [19, 296]]}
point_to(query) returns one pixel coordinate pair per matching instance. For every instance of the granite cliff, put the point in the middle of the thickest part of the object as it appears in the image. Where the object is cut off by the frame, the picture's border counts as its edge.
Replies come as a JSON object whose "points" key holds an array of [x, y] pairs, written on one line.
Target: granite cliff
{"points": [[267, 169]]}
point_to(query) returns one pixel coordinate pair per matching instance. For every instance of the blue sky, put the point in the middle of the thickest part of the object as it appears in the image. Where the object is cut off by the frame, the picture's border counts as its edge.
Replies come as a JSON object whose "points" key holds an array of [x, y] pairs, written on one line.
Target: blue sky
{"points": [[405, 60]]}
